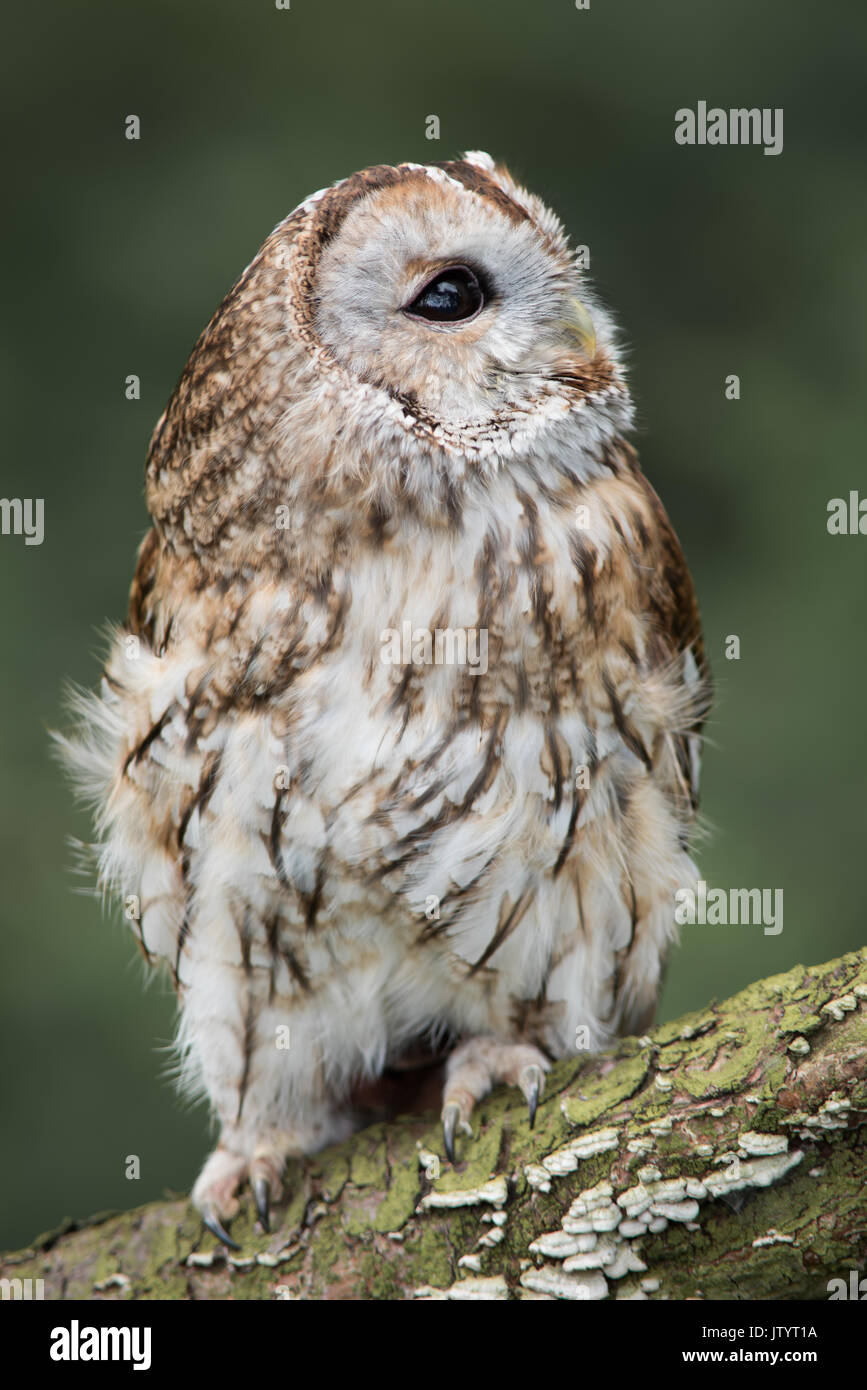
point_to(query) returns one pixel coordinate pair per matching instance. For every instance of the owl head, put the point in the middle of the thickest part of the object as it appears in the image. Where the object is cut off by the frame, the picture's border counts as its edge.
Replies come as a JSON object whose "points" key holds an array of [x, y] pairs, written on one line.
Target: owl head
{"points": [[403, 332]]}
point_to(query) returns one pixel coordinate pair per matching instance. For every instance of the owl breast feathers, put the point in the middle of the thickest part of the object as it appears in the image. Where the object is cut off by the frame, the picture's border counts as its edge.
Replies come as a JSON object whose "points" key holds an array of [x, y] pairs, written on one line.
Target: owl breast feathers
{"points": [[399, 746]]}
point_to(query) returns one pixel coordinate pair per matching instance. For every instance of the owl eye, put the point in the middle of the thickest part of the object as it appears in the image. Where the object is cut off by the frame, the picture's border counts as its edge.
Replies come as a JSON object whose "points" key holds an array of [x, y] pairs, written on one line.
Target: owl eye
{"points": [[453, 296]]}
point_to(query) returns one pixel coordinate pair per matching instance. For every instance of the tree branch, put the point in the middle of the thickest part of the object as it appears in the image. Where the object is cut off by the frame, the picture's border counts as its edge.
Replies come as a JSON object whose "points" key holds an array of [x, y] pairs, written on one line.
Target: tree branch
{"points": [[720, 1157]]}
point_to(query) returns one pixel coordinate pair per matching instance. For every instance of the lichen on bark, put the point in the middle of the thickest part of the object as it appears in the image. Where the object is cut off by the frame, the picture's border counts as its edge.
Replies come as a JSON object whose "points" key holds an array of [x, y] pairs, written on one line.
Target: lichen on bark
{"points": [[721, 1156]]}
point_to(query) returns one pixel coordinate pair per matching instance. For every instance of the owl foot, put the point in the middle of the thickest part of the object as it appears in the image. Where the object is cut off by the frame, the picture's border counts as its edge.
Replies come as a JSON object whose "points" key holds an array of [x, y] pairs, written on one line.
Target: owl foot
{"points": [[475, 1067], [216, 1188]]}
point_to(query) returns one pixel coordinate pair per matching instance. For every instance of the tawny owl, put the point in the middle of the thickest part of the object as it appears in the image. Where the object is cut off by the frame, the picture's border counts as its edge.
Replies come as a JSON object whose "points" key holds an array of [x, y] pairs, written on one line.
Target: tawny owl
{"points": [[398, 749]]}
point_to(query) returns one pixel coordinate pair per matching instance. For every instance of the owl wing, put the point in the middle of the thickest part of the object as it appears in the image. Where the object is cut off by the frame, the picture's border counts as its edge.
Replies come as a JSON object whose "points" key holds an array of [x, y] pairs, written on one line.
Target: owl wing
{"points": [[671, 596], [141, 616], [639, 600]]}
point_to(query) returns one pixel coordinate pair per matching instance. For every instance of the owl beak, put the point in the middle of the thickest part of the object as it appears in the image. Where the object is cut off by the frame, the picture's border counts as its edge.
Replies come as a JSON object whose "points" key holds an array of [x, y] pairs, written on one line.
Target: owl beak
{"points": [[578, 326]]}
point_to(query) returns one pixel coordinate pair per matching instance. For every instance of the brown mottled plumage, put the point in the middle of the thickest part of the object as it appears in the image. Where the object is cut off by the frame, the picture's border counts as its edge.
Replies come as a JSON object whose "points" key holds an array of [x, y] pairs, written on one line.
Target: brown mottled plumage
{"points": [[350, 851]]}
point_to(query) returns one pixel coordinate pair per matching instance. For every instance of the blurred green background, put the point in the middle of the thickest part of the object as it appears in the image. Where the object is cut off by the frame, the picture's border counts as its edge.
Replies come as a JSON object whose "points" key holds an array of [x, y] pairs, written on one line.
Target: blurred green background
{"points": [[715, 260]]}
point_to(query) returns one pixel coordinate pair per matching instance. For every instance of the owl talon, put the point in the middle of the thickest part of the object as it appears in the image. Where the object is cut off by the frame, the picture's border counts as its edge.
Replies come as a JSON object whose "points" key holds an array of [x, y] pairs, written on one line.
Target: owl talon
{"points": [[451, 1115], [215, 1226], [532, 1083], [262, 1194]]}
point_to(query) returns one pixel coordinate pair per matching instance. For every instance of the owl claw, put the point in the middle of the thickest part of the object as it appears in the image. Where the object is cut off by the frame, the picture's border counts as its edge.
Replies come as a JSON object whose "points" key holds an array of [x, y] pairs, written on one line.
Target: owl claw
{"points": [[451, 1115], [215, 1226], [532, 1083], [262, 1194]]}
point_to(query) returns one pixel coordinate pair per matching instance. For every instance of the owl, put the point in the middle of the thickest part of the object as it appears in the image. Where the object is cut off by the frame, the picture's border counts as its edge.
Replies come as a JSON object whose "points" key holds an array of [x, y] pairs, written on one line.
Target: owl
{"points": [[397, 754]]}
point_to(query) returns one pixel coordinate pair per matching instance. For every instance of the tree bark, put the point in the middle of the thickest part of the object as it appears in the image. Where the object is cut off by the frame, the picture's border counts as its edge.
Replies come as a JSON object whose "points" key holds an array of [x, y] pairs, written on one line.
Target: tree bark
{"points": [[723, 1156]]}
